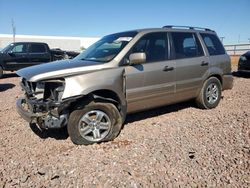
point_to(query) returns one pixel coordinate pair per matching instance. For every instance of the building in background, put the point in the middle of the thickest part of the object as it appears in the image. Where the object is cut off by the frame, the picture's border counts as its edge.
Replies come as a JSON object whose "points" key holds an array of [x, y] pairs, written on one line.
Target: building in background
{"points": [[65, 43], [237, 49], [79, 43]]}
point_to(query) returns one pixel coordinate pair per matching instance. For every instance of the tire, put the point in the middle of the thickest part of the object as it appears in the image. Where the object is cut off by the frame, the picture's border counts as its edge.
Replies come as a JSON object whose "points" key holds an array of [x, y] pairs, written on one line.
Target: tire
{"points": [[83, 125], [240, 74], [210, 94], [1, 71]]}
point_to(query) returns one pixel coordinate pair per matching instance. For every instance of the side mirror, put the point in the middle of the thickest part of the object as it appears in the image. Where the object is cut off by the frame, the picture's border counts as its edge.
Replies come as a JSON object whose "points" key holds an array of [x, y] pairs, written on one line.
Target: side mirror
{"points": [[11, 53], [137, 58]]}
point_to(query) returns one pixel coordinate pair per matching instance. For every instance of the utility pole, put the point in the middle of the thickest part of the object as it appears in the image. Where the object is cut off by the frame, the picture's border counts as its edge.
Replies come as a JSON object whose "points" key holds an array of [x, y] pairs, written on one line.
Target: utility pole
{"points": [[13, 30], [249, 40], [222, 38]]}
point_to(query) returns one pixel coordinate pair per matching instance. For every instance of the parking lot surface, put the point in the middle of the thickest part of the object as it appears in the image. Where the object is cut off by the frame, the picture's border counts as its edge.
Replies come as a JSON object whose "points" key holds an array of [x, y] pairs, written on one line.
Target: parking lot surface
{"points": [[177, 145]]}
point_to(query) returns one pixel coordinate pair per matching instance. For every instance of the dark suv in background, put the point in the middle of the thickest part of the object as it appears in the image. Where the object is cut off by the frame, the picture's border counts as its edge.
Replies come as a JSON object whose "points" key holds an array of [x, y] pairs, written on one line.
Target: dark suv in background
{"points": [[244, 63], [124, 73]]}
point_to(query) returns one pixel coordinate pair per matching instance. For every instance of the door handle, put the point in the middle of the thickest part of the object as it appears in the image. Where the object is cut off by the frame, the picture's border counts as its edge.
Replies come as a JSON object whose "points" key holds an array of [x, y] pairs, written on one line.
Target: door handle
{"points": [[203, 63], [167, 68]]}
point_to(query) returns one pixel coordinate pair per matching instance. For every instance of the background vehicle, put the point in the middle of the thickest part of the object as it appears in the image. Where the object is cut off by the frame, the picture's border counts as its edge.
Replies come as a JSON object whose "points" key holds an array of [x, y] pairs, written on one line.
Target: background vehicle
{"points": [[124, 73], [244, 63], [23, 54]]}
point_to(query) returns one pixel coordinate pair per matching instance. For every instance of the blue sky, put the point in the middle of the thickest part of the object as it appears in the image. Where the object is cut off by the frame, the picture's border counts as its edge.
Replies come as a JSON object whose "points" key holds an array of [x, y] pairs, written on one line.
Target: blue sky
{"points": [[96, 18]]}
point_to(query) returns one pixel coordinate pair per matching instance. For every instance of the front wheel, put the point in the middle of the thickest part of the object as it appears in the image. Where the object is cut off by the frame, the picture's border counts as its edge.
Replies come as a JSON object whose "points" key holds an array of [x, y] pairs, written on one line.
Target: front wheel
{"points": [[96, 122], [1, 72], [210, 94]]}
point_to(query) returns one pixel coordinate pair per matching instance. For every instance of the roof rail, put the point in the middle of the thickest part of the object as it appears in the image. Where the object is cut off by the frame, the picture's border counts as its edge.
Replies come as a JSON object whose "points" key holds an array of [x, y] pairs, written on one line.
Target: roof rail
{"points": [[187, 27]]}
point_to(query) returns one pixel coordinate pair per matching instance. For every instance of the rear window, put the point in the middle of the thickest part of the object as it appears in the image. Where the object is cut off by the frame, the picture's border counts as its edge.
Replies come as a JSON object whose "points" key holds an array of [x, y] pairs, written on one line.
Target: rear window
{"points": [[37, 48], [213, 44], [186, 45]]}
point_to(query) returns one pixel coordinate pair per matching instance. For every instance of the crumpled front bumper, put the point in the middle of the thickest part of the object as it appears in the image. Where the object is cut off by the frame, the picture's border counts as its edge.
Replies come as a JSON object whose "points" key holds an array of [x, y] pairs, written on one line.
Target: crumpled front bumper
{"points": [[25, 114]]}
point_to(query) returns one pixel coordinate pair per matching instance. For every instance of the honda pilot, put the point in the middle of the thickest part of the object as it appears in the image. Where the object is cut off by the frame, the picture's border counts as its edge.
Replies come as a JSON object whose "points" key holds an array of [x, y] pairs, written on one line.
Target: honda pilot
{"points": [[124, 73]]}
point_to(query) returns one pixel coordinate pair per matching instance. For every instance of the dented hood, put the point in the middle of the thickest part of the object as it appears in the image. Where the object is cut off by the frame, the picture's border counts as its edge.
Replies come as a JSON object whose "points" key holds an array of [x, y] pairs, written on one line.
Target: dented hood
{"points": [[58, 69]]}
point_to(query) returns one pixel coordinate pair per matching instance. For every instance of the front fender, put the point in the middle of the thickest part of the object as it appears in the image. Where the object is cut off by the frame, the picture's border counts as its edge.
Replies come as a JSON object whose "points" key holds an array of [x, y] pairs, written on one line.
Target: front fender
{"points": [[106, 79]]}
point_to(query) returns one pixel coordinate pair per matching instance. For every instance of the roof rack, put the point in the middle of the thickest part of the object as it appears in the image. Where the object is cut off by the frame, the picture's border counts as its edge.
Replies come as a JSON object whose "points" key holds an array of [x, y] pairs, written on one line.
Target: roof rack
{"points": [[187, 27]]}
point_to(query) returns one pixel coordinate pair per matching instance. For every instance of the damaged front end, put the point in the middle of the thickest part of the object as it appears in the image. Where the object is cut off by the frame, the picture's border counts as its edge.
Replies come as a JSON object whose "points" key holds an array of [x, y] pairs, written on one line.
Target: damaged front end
{"points": [[42, 103]]}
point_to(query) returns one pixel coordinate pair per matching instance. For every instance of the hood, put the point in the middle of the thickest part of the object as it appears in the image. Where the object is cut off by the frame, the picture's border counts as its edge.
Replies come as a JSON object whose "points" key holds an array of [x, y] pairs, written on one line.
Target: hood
{"points": [[58, 69]]}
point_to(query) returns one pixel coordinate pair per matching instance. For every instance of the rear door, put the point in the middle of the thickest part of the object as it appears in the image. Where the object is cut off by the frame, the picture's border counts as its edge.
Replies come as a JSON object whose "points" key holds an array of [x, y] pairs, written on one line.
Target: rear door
{"points": [[152, 83], [17, 57], [38, 53], [192, 65]]}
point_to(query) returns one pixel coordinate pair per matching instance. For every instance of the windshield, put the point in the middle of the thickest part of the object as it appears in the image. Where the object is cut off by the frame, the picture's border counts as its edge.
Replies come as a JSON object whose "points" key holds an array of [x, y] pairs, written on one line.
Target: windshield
{"points": [[107, 48], [6, 49]]}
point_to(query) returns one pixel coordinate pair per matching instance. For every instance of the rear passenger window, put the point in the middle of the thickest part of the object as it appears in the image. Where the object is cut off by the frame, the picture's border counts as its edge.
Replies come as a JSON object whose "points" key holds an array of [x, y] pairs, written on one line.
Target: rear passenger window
{"points": [[186, 45], [213, 44], [154, 45], [37, 48]]}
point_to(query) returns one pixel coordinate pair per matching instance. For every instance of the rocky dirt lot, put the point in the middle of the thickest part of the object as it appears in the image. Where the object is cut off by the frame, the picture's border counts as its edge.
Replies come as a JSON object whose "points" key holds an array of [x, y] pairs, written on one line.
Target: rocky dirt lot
{"points": [[178, 145]]}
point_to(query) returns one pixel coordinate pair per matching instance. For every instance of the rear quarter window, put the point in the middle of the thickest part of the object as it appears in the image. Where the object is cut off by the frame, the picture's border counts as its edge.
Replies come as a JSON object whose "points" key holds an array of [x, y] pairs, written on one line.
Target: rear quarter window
{"points": [[213, 44]]}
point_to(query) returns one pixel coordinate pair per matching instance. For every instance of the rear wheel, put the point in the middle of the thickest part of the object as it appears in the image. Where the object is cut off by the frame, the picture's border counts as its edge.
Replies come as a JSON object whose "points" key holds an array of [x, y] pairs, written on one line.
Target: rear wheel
{"points": [[210, 94], [96, 122]]}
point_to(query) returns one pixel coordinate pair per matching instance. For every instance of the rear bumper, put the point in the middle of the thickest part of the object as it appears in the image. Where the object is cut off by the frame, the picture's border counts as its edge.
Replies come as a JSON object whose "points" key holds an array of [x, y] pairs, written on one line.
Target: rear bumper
{"points": [[227, 81], [27, 115]]}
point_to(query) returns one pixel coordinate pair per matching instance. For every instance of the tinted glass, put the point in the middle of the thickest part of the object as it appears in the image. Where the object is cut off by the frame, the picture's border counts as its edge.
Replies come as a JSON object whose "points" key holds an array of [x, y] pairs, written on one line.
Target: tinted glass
{"points": [[37, 48], [154, 45], [107, 48], [19, 48], [213, 44], [186, 45]]}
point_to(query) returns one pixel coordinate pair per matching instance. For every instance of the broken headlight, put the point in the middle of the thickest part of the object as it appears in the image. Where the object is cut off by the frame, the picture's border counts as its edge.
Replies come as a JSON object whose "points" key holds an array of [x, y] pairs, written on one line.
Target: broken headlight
{"points": [[53, 89]]}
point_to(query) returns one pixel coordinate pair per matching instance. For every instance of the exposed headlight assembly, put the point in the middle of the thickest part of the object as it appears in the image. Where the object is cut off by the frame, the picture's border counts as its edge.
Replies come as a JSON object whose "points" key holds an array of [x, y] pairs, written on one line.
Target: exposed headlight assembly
{"points": [[53, 89]]}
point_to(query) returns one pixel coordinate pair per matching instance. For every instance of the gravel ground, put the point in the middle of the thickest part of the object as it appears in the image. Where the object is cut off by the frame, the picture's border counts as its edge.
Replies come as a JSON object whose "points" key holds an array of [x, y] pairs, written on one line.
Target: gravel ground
{"points": [[178, 145]]}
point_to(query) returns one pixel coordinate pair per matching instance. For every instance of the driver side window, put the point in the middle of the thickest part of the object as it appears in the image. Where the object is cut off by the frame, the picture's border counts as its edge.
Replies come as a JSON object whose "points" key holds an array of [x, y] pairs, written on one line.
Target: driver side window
{"points": [[154, 45], [20, 48]]}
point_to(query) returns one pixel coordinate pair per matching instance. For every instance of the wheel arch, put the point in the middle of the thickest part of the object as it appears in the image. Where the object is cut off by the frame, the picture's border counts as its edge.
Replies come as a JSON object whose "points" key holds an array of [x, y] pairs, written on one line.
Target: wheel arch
{"points": [[103, 95], [218, 76]]}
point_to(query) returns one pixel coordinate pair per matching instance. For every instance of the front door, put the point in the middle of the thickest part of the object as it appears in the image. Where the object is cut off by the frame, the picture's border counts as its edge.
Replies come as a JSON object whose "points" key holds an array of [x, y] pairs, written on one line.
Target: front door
{"points": [[17, 57], [152, 83]]}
